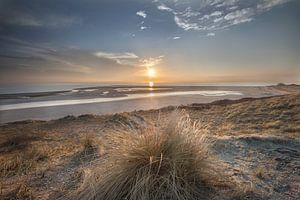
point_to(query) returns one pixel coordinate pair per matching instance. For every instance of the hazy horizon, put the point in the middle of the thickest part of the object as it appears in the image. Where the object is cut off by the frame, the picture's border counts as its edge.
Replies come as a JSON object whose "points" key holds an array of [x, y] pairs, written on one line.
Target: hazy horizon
{"points": [[52, 87]]}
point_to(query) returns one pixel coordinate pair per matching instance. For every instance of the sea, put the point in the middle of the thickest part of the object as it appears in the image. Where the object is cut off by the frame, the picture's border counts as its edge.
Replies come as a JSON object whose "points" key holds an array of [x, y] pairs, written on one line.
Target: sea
{"points": [[49, 102]]}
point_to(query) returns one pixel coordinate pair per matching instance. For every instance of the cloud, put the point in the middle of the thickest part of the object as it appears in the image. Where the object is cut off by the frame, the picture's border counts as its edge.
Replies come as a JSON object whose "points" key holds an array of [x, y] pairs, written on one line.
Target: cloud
{"points": [[238, 14], [24, 20], [141, 13], [164, 7], [210, 34], [143, 27], [38, 15], [46, 20], [185, 24], [212, 15], [27, 62], [24, 61], [40, 58], [216, 13], [152, 61], [268, 4], [120, 58], [216, 20], [176, 38], [188, 12]]}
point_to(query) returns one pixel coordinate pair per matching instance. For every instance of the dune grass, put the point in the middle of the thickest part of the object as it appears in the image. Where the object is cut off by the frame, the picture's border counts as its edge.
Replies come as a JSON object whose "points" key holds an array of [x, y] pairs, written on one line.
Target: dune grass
{"points": [[169, 161], [22, 162], [88, 141]]}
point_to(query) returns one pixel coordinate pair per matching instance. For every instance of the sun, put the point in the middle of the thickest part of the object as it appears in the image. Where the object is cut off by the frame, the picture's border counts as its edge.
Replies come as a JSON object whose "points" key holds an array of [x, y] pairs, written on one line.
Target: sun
{"points": [[151, 72]]}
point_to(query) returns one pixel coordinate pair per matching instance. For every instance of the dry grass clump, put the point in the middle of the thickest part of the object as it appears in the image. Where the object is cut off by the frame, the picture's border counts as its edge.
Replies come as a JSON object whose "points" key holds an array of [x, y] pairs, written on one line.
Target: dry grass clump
{"points": [[22, 162], [88, 141], [161, 162], [261, 172], [21, 192], [15, 142], [92, 145]]}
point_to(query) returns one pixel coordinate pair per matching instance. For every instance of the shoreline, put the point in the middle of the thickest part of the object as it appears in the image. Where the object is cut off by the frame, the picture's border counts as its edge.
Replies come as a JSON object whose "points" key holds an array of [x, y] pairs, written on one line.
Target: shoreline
{"points": [[108, 99], [134, 100], [220, 102]]}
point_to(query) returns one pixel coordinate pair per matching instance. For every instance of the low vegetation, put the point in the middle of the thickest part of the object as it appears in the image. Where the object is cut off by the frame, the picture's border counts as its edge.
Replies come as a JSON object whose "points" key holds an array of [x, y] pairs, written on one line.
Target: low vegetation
{"points": [[160, 162], [241, 149], [88, 141], [22, 162]]}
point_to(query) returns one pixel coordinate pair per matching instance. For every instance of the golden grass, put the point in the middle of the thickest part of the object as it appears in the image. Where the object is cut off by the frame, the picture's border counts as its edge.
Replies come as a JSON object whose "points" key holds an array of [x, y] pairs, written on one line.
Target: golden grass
{"points": [[22, 162], [21, 192], [160, 162], [91, 142], [260, 172], [88, 141]]}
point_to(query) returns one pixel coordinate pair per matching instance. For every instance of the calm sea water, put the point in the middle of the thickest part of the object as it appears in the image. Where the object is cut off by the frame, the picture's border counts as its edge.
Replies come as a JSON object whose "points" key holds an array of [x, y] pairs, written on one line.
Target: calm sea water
{"points": [[12, 89], [26, 88], [39, 104], [109, 100]]}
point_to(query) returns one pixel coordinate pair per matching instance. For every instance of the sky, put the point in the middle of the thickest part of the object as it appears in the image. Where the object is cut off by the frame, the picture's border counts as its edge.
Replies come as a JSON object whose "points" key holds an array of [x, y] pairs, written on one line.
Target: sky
{"points": [[117, 41]]}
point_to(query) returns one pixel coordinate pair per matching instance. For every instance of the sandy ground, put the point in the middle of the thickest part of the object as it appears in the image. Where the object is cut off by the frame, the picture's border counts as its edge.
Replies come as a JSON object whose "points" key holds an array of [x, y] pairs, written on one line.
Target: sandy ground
{"points": [[257, 139]]}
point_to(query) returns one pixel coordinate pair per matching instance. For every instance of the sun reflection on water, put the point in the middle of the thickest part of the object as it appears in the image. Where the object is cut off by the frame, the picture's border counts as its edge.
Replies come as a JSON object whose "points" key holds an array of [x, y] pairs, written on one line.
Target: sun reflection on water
{"points": [[151, 84]]}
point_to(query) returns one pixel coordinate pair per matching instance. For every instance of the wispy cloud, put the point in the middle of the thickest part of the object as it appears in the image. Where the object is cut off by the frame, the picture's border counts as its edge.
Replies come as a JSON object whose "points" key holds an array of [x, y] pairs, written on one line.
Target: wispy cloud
{"points": [[185, 24], [164, 7], [143, 27], [210, 34], [141, 13], [48, 20], [37, 57], [212, 15], [27, 61], [152, 61], [120, 58], [268, 4], [176, 38]]}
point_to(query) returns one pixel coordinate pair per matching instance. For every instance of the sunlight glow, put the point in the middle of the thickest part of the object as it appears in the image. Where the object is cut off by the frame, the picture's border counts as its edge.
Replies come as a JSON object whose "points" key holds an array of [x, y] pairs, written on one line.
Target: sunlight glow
{"points": [[151, 72]]}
